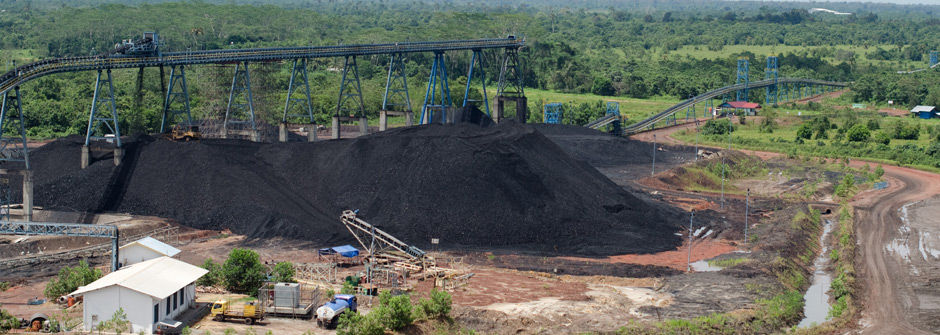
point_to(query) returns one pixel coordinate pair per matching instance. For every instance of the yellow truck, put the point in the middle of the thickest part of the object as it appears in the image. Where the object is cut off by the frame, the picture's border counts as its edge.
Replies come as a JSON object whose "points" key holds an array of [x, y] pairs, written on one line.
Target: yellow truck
{"points": [[249, 311]]}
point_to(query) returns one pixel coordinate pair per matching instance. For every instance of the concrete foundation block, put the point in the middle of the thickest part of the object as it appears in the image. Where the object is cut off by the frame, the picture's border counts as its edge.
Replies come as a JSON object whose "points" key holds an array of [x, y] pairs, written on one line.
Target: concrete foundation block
{"points": [[363, 126], [86, 156], [118, 156], [282, 132], [335, 128], [28, 195]]}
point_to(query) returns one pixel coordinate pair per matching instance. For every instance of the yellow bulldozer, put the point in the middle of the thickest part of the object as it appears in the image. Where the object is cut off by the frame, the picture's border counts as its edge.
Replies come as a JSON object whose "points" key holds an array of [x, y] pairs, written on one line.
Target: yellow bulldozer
{"points": [[184, 133]]}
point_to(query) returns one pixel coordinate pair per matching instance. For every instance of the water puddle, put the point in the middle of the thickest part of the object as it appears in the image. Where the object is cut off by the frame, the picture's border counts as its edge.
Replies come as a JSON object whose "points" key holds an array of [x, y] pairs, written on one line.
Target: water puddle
{"points": [[816, 307], [702, 266]]}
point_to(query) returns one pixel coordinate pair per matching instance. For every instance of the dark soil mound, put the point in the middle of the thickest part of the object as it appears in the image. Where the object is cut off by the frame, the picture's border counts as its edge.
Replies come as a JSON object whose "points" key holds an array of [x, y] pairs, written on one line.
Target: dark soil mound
{"points": [[505, 187]]}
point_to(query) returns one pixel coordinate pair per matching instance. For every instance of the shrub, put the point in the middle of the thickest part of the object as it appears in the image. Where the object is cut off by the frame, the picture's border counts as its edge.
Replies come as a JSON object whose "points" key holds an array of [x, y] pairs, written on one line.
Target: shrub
{"points": [[70, 278], [214, 277], [398, 311], [438, 306], [284, 272], [858, 133], [902, 131], [717, 127], [353, 323], [243, 271], [8, 322], [882, 138]]}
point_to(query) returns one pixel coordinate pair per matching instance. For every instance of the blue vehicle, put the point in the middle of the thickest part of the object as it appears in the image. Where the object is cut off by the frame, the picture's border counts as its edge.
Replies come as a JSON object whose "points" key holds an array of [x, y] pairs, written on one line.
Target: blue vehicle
{"points": [[328, 314]]}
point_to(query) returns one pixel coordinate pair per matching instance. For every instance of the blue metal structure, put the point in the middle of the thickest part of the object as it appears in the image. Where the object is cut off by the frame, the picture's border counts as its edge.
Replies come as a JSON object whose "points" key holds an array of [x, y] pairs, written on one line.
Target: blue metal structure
{"points": [[553, 113], [11, 117], [107, 117], [65, 229], [438, 77], [690, 111], [743, 78], [477, 59], [709, 107], [396, 86], [298, 82], [350, 91], [613, 109], [771, 73], [933, 58], [240, 113], [705, 97], [177, 99]]}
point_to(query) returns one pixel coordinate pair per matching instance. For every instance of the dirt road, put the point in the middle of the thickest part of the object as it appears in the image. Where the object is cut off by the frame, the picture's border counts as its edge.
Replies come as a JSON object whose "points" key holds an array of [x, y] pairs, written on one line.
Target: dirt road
{"points": [[889, 297]]}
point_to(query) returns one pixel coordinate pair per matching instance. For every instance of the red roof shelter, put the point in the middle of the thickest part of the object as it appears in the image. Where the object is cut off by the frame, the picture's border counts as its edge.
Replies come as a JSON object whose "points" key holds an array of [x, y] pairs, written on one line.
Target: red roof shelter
{"points": [[750, 108]]}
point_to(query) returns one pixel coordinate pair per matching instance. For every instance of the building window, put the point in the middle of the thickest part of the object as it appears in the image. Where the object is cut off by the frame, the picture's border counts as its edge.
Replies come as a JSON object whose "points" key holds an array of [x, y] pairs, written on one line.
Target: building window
{"points": [[168, 306], [174, 302], [156, 313]]}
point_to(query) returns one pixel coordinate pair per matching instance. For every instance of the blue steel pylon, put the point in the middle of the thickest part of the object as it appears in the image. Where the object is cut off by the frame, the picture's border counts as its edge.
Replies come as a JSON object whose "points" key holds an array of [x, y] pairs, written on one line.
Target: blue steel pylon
{"points": [[690, 111], [241, 108], [477, 59], [553, 113], [510, 76], [298, 82], [438, 76], [108, 117], [742, 78], [933, 58], [350, 101], [709, 107], [771, 73], [176, 102], [11, 117], [396, 85], [613, 108]]}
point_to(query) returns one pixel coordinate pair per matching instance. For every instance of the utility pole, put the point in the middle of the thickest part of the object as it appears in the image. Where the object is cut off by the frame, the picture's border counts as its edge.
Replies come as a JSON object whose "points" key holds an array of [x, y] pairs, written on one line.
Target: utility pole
{"points": [[747, 206], [696, 139], [689, 262], [722, 206], [371, 264], [654, 156]]}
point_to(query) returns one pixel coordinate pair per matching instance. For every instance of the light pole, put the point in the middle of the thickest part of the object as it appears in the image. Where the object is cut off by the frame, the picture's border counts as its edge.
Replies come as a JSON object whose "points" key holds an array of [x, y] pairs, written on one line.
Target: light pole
{"points": [[654, 156], [689, 262]]}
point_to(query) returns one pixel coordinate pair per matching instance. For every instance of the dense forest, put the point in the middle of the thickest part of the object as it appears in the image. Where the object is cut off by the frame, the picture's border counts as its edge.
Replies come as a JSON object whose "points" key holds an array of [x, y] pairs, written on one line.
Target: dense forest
{"points": [[637, 49]]}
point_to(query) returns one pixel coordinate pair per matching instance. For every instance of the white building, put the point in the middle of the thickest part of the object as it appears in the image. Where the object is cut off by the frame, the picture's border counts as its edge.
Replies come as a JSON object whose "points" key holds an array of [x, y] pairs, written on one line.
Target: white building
{"points": [[150, 292], [145, 249]]}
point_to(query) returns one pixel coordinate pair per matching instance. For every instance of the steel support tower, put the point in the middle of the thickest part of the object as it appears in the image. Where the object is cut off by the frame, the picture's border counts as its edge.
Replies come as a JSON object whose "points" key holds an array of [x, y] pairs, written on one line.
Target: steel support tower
{"points": [[477, 60], [103, 119], [772, 73], [742, 78], [510, 86], [176, 103], [13, 145], [933, 58], [613, 109], [438, 78], [298, 106], [240, 113], [553, 113], [350, 106], [396, 93]]}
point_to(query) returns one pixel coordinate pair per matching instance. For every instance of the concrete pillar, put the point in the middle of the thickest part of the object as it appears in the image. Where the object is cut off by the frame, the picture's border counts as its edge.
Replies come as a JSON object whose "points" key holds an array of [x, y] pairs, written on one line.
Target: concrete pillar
{"points": [[521, 109], [383, 120], [118, 156], [335, 128], [282, 132], [409, 118], [86, 156], [224, 132], [498, 111], [256, 136], [28, 195], [312, 132], [363, 126]]}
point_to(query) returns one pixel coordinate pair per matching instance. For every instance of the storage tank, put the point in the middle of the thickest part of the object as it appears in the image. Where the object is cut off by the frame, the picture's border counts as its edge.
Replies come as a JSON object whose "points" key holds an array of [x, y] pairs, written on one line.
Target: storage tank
{"points": [[286, 295]]}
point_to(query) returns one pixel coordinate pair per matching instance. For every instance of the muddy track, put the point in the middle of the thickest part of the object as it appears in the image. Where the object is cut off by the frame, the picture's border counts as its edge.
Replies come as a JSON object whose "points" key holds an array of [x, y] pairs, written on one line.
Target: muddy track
{"points": [[887, 294]]}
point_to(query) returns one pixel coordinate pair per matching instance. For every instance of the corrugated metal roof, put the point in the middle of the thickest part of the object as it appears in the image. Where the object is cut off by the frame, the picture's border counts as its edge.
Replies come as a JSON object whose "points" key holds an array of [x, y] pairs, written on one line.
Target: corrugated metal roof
{"points": [[155, 245], [740, 104], [158, 277], [923, 109]]}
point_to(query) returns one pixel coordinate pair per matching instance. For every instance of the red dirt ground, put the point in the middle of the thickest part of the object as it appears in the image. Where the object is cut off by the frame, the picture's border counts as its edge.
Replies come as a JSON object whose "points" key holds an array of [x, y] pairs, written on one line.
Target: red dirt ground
{"points": [[676, 259]]}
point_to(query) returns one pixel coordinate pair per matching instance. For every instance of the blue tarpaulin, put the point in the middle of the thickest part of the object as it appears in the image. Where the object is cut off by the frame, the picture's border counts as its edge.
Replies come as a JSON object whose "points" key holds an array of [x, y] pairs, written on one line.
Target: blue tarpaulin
{"points": [[345, 250]]}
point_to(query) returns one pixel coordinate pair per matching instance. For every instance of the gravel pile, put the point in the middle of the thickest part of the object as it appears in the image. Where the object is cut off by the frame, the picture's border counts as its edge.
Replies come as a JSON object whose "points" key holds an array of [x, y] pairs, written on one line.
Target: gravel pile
{"points": [[499, 187]]}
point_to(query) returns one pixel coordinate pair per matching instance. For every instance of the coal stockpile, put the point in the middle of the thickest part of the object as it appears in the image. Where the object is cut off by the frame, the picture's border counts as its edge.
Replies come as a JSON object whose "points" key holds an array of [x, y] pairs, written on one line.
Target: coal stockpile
{"points": [[501, 187]]}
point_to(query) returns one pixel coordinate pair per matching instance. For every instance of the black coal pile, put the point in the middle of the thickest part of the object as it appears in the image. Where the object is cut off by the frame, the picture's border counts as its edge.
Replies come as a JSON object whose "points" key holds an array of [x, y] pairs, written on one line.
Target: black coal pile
{"points": [[504, 187]]}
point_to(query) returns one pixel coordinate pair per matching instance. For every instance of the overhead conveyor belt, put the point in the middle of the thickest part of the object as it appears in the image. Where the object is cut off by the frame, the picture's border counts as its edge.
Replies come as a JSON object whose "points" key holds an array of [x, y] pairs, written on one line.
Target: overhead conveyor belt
{"points": [[636, 127], [38, 69], [607, 119]]}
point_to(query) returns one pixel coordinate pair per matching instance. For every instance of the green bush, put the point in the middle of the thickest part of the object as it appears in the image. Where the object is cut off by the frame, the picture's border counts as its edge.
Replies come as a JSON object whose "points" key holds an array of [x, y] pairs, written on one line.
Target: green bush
{"points": [[397, 311], [858, 133], [70, 278], [438, 306], [284, 272], [214, 277], [8, 321], [243, 271], [353, 323], [717, 127]]}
